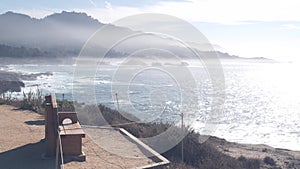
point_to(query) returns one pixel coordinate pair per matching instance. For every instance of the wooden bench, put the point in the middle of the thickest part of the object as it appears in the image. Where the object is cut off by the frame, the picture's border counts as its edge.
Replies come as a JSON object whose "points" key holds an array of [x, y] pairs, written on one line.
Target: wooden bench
{"points": [[63, 125]]}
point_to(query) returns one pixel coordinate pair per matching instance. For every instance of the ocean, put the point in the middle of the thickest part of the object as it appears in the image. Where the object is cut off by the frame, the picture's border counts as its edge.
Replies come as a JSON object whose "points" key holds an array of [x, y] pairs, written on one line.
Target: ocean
{"points": [[261, 102]]}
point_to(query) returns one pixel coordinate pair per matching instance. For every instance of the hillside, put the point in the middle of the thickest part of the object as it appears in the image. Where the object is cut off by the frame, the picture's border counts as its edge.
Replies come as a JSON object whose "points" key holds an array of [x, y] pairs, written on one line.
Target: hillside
{"points": [[61, 34], [64, 34], [22, 52]]}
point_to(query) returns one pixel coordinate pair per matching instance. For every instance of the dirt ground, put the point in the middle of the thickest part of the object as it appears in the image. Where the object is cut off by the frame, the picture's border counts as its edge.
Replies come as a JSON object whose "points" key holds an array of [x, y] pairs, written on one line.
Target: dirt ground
{"points": [[22, 146]]}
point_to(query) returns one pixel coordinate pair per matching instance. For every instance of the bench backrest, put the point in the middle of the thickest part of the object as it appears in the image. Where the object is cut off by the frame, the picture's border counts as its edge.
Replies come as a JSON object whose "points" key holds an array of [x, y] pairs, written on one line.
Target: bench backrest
{"points": [[51, 125]]}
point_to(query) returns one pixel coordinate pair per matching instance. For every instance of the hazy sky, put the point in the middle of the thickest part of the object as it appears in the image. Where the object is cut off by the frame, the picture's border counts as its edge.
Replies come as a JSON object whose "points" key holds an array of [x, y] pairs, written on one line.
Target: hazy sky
{"points": [[248, 28]]}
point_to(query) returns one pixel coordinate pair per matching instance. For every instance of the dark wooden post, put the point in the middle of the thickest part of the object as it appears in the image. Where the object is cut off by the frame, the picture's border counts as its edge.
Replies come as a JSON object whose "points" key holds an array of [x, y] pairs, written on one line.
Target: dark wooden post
{"points": [[50, 126]]}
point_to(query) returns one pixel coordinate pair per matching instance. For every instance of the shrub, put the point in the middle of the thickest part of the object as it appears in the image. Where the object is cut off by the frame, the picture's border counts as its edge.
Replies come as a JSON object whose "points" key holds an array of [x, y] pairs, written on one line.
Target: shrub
{"points": [[30, 101], [268, 160], [242, 158], [33, 101]]}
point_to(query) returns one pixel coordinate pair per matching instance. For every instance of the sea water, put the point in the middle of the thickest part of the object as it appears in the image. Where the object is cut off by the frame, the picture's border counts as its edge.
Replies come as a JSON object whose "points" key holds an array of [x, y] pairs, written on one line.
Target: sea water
{"points": [[261, 105]]}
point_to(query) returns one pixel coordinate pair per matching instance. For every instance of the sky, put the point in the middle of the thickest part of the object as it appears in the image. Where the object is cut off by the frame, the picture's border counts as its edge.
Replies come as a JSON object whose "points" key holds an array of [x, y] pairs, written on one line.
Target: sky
{"points": [[247, 28]]}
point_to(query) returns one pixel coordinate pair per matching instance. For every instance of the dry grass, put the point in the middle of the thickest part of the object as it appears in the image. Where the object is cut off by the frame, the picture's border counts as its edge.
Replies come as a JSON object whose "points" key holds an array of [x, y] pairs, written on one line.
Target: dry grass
{"points": [[33, 101], [200, 156]]}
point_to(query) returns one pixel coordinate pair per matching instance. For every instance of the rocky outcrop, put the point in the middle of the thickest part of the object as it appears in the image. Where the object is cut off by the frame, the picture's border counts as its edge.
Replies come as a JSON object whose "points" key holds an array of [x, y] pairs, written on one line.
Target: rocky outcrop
{"points": [[13, 82], [10, 86], [10, 82]]}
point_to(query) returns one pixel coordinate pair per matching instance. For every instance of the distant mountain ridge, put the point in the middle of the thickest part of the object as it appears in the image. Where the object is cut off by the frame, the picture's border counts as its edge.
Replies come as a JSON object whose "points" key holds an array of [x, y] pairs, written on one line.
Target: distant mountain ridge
{"points": [[64, 34], [73, 18]]}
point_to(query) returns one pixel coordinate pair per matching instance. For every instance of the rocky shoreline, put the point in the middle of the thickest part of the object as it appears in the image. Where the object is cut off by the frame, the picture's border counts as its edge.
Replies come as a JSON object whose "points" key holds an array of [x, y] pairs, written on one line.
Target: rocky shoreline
{"points": [[13, 82]]}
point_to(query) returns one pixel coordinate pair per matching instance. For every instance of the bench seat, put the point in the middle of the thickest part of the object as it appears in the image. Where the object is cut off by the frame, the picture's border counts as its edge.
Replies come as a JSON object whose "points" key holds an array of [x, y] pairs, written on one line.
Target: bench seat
{"points": [[71, 129]]}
